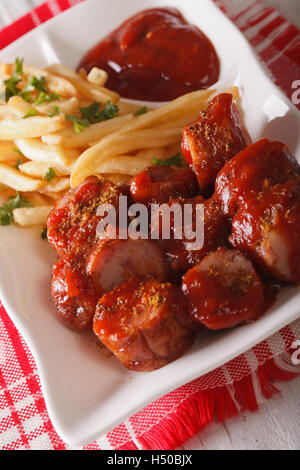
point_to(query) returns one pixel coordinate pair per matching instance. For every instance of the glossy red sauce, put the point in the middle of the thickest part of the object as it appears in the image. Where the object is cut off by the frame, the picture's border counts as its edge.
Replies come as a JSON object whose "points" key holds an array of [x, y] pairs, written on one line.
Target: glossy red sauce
{"points": [[155, 56]]}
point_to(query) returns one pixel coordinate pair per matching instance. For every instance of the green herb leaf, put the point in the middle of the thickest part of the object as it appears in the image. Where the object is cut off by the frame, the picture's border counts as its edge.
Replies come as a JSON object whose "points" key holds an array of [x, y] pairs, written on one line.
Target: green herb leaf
{"points": [[110, 111], [6, 210], [78, 123], [44, 234], [11, 88], [94, 114], [91, 112], [46, 98], [19, 162], [37, 83], [19, 67], [142, 110], [176, 160], [18, 151], [30, 113], [50, 174], [54, 111]]}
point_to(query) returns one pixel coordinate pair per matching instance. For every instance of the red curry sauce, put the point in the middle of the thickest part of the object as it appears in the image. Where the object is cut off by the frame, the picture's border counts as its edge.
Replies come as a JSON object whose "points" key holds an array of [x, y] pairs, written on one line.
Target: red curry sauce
{"points": [[155, 56]]}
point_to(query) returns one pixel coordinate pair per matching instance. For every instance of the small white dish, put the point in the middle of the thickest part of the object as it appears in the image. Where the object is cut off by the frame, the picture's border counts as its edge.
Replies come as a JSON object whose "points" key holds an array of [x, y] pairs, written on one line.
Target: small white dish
{"points": [[86, 392]]}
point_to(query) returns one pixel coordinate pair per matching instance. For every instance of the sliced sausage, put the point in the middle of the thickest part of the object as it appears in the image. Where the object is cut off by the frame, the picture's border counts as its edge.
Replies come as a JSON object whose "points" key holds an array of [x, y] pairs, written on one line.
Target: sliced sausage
{"points": [[216, 228], [158, 184], [213, 139], [267, 230], [223, 290], [72, 223], [141, 323], [258, 167], [74, 296], [115, 261]]}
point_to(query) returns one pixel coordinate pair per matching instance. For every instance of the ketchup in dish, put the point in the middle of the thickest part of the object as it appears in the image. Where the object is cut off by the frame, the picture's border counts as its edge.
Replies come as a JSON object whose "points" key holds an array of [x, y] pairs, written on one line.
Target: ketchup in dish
{"points": [[155, 56]]}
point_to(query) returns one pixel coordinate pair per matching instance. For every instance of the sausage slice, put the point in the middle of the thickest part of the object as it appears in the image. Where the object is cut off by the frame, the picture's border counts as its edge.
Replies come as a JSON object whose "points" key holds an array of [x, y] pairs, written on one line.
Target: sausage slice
{"points": [[142, 323]]}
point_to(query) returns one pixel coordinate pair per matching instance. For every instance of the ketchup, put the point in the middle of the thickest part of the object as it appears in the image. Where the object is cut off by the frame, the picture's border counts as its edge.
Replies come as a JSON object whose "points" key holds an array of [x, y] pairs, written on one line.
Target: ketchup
{"points": [[155, 56]]}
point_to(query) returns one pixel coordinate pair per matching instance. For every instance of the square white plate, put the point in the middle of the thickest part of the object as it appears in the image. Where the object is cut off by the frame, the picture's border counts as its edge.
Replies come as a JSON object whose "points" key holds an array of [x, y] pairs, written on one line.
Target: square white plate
{"points": [[86, 392]]}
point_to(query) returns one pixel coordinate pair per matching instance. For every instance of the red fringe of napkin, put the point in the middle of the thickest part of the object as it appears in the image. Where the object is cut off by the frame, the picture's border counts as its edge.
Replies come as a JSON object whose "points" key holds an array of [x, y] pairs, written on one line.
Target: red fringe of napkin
{"points": [[214, 405]]}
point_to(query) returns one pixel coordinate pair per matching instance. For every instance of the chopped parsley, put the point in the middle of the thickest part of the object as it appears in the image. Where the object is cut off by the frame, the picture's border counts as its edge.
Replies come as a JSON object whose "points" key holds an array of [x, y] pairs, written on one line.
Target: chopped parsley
{"points": [[44, 234], [92, 114], [39, 85], [18, 163], [46, 97], [54, 111], [20, 160], [50, 174], [30, 113], [78, 123], [18, 151], [6, 210], [36, 89], [142, 110], [11, 88], [176, 160]]}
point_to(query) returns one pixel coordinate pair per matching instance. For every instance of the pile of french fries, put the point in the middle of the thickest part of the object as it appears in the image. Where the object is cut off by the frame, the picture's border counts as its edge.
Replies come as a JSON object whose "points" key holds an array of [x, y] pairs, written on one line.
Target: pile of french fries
{"points": [[116, 148]]}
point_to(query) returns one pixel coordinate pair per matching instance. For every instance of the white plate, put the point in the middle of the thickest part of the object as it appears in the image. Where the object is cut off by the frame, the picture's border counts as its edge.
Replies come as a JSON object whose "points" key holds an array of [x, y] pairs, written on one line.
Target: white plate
{"points": [[86, 392]]}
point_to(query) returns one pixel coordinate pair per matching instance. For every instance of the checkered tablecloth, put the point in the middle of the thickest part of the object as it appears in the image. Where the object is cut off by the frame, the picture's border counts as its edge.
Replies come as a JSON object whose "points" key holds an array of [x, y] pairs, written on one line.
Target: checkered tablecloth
{"points": [[241, 384]]}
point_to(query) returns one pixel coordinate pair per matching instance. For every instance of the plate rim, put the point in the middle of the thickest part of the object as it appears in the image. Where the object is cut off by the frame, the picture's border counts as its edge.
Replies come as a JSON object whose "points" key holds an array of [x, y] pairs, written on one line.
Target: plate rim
{"points": [[19, 321]]}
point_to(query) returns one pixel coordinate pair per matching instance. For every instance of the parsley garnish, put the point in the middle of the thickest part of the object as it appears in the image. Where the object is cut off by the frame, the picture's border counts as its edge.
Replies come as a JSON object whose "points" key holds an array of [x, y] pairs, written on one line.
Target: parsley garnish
{"points": [[18, 163], [46, 98], [11, 88], [30, 113], [20, 160], [18, 151], [78, 123], [92, 114], [54, 111], [44, 234], [50, 174], [37, 83], [176, 160], [142, 110], [6, 210]]}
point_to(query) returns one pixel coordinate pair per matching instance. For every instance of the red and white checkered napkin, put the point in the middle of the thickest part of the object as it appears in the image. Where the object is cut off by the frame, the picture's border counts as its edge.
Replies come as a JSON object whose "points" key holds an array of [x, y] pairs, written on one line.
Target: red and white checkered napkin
{"points": [[239, 385]]}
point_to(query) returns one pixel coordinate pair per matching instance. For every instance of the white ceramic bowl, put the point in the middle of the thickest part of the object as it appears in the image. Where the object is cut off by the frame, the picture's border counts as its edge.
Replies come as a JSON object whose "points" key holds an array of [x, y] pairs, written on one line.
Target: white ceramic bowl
{"points": [[86, 391]]}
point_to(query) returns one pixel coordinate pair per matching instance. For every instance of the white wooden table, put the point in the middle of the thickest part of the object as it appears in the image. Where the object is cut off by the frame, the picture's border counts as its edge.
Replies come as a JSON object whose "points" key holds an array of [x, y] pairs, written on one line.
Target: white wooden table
{"points": [[277, 423]]}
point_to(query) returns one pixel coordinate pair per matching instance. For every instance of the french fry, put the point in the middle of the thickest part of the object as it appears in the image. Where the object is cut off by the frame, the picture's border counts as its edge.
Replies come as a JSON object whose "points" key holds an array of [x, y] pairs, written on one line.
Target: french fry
{"points": [[39, 169], [7, 152], [15, 179], [82, 74], [36, 126], [125, 107], [37, 199], [130, 164], [69, 139], [5, 111], [55, 83], [86, 89], [183, 104], [19, 106], [124, 165], [52, 154], [97, 76], [26, 216], [65, 106], [56, 185], [61, 86], [118, 144], [117, 178]]}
